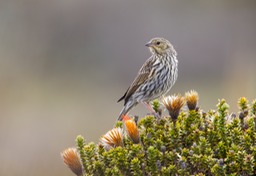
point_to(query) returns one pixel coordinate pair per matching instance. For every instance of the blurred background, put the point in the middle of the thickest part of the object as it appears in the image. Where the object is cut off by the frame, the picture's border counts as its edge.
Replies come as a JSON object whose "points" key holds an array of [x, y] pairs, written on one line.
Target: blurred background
{"points": [[64, 64]]}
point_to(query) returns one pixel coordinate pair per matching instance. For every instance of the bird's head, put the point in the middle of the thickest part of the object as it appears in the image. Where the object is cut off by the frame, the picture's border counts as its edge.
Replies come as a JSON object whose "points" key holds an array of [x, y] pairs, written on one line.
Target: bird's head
{"points": [[160, 46]]}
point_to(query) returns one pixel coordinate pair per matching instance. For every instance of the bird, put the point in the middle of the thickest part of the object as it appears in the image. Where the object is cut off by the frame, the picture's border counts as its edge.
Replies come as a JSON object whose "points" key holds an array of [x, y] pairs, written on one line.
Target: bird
{"points": [[155, 78]]}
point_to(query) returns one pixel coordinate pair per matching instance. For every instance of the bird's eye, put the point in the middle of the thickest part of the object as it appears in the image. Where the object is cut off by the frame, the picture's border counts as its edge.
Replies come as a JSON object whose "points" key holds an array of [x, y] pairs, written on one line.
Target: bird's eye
{"points": [[158, 43]]}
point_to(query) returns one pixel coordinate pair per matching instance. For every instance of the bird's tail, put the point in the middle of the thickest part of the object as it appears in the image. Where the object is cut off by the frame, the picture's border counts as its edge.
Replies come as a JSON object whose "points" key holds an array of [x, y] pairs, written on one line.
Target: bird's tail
{"points": [[122, 113], [127, 107]]}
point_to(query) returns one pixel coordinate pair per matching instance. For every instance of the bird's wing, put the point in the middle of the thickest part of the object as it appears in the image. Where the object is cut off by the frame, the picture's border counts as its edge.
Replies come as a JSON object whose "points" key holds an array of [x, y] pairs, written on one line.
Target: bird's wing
{"points": [[144, 74]]}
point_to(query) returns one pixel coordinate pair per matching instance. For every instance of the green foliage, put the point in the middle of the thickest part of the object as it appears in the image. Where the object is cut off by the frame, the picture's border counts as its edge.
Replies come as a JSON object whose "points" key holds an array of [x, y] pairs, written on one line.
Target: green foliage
{"points": [[199, 143], [253, 107], [156, 105]]}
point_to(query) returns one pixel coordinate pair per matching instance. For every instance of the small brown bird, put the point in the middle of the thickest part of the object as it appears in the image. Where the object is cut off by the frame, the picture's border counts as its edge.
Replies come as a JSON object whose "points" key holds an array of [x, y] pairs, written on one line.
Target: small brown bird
{"points": [[155, 78]]}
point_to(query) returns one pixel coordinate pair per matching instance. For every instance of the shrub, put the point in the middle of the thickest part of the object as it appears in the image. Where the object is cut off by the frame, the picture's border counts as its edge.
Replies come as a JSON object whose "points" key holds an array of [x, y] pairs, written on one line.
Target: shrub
{"points": [[188, 142]]}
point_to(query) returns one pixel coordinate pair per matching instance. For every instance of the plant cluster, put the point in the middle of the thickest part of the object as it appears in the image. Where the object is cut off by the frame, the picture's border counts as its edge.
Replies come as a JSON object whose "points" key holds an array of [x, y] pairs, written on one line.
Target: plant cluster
{"points": [[187, 142]]}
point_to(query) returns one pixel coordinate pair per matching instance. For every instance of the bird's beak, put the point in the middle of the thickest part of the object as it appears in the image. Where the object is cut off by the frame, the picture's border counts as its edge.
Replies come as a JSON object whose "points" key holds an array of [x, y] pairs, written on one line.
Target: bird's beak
{"points": [[149, 44]]}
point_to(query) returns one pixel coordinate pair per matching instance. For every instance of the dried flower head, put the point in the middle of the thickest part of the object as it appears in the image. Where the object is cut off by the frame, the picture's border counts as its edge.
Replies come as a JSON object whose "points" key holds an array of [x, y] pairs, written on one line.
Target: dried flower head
{"points": [[173, 104], [112, 138], [131, 129], [192, 99], [72, 159]]}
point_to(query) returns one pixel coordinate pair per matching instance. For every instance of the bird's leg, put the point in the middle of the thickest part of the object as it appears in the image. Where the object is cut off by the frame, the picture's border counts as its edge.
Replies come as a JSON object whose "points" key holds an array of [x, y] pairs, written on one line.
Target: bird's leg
{"points": [[149, 107]]}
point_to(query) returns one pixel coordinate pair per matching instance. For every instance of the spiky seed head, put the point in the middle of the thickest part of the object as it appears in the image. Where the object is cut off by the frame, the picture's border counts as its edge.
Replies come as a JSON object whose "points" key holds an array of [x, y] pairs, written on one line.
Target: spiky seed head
{"points": [[72, 159], [173, 104], [112, 139], [160, 46], [132, 130], [191, 99]]}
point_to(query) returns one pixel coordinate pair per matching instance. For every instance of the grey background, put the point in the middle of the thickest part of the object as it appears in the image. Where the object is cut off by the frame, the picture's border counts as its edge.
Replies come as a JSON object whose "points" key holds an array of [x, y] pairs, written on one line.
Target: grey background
{"points": [[63, 65]]}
